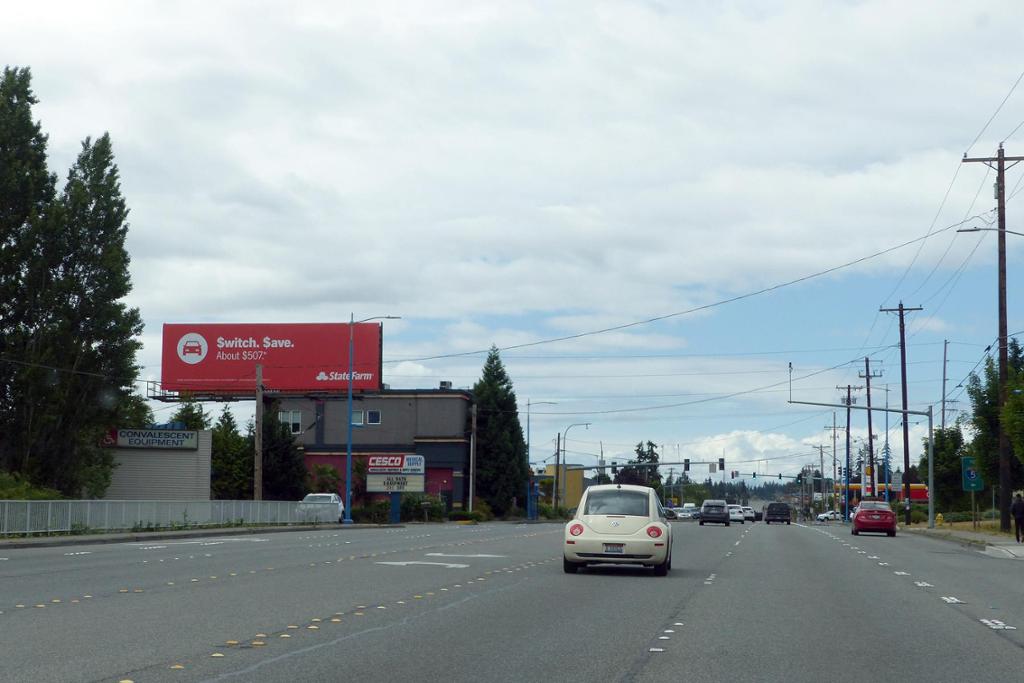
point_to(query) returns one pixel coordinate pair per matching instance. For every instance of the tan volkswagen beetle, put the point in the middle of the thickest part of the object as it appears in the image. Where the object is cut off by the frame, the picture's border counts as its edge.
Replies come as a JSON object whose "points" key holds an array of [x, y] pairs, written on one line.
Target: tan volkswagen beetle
{"points": [[619, 524]]}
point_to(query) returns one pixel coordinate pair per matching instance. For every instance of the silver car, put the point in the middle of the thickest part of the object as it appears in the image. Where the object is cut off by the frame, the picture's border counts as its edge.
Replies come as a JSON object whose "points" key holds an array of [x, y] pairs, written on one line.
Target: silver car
{"points": [[321, 507]]}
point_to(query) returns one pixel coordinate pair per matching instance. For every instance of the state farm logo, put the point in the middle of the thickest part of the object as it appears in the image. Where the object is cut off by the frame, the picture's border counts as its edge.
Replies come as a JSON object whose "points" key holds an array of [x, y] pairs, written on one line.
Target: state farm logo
{"points": [[322, 376], [192, 348]]}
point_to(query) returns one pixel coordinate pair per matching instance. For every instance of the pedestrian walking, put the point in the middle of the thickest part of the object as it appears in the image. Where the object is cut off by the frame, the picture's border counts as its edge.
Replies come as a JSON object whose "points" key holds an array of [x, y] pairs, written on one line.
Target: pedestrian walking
{"points": [[1017, 510]]}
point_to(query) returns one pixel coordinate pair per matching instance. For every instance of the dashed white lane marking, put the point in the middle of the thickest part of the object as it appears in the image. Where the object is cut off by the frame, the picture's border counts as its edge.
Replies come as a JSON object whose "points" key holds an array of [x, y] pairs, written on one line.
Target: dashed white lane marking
{"points": [[883, 564], [447, 555], [656, 649], [952, 600], [872, 557], [84, 552], [736, 543], [3, 559], [997, 625], [446, 565], [902, 573], [923, 584]]}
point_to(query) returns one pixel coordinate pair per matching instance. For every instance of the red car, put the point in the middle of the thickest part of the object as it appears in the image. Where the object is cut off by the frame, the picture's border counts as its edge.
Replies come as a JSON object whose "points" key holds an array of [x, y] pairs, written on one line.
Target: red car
{"points": [[874, 515], [192, 347]]}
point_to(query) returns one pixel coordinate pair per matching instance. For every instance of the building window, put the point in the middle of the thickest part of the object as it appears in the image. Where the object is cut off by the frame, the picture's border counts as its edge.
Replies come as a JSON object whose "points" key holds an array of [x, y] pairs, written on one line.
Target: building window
{"points": [[373, 417], [357, 417], [292, 418]]}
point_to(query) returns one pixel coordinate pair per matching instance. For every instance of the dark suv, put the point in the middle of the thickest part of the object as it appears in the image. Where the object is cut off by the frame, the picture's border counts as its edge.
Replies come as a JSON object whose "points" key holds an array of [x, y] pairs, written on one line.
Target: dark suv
{"points": [[778, 512], [715, 511]]}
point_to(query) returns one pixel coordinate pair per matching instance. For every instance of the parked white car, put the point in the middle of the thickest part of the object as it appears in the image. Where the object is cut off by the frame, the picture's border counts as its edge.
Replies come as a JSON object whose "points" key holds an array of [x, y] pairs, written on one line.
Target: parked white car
{"points": [[321, 507]]}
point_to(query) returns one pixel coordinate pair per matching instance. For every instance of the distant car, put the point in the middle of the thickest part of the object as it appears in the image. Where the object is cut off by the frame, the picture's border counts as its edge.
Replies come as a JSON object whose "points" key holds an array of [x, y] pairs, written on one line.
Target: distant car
{"points": [[714, 511], [778, 512], [321, 507], [875, 516], [748, 514], [619, 524], [192, 348], [687, 511], [829, 516], [736, 514]]}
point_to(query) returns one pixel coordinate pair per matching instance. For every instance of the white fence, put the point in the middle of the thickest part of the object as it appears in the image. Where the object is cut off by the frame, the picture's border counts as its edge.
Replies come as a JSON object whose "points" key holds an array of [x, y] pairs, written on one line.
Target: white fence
{"points": [[63, 516]]}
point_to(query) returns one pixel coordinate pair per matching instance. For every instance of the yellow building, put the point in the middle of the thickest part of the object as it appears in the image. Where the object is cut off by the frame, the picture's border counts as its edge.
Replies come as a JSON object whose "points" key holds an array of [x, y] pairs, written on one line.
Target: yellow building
{"points": [[570, 484]]}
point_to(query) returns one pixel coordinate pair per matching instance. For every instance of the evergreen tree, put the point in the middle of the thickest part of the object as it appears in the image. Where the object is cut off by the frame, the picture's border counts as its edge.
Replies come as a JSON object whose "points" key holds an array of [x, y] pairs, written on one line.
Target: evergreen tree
{"points": [[26, 191], [948, 449], [68, 340], [501, 468], [284, 466], [984, 420], [192, 415], [231, 470]]}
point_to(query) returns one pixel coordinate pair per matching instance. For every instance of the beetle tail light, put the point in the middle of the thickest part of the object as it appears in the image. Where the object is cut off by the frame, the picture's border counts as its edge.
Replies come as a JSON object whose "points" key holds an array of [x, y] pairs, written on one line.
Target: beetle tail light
{"points": [[576, 529], [654, 532]]}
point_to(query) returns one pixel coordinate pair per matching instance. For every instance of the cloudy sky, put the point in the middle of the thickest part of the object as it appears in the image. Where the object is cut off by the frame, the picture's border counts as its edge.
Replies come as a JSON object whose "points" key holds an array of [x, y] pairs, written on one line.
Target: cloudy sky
{"points": [[513, 173]]}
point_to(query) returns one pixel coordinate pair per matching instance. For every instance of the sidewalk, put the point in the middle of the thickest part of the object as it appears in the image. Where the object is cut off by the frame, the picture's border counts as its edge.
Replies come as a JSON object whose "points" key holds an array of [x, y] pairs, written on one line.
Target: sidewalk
{"points": [[996, 545], [146, 536]]}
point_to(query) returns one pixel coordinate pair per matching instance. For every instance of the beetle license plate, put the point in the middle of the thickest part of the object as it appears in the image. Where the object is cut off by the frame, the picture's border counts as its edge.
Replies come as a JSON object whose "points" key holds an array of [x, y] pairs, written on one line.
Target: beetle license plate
{"points": [[613, 548]]}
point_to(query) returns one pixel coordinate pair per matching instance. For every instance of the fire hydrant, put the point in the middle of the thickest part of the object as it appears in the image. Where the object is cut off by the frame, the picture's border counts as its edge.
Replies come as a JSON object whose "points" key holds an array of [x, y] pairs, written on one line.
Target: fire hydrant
{"points": [[938, 519]]}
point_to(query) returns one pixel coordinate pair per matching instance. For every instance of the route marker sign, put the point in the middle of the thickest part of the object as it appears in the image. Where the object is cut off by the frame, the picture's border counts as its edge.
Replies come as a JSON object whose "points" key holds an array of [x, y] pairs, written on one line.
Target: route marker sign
{"points": [[970, 476]]}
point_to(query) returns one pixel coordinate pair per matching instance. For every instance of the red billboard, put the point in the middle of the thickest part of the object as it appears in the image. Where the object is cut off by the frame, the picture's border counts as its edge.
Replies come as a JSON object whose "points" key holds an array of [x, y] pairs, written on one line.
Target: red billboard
{"points": [[221, 358]]}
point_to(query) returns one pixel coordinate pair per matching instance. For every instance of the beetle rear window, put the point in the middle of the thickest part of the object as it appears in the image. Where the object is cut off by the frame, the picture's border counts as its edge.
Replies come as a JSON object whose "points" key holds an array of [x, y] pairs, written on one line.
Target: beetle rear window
{"points": [[618, 502]]}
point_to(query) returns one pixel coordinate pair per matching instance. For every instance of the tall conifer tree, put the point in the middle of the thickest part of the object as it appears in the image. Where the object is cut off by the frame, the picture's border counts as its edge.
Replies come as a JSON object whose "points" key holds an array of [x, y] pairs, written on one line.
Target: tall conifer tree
{"points": [[501, 468]]}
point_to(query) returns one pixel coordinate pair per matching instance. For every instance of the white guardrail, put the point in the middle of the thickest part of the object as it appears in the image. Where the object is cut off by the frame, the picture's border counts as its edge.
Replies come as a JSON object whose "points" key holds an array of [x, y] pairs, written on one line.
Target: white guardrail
{"points": [[19, 517]]}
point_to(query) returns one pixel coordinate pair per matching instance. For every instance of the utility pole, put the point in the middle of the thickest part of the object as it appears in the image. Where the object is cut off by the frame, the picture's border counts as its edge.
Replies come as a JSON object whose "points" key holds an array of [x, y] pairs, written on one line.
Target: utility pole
{"points": [[821, 457], [906, 423], [942, 418], [257, 464], [869, 488], [1004, 440], [834, 428], [554, 484], [472, 456], [848, 401]]}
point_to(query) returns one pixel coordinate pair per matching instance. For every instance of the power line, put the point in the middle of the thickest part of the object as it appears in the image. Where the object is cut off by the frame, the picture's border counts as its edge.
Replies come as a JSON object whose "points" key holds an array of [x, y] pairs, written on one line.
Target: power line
{"points": [[695, 309]]}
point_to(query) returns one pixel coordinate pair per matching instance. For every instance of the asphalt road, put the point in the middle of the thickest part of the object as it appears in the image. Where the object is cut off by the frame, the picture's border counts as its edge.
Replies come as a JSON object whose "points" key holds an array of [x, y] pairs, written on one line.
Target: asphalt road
{"points": [[490, 602]]}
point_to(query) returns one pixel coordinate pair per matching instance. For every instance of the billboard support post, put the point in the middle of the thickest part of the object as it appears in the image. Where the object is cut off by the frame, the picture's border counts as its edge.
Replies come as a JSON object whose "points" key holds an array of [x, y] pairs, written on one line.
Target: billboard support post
{"points": [[348, 448], [257, 465]]}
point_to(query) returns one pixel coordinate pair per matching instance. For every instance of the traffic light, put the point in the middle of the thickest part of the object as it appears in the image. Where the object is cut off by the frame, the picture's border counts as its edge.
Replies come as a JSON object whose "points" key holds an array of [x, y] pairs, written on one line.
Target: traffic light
{"points": [[733, 473], [721, 464], [754, 475], [615, 467], [800, 478], [686, 465]]}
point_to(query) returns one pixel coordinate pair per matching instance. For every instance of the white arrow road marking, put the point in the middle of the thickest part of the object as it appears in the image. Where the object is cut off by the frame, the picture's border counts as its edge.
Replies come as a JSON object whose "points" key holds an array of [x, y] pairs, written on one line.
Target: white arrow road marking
{"points": [[446, 565], [447, 555], [997, 625]]}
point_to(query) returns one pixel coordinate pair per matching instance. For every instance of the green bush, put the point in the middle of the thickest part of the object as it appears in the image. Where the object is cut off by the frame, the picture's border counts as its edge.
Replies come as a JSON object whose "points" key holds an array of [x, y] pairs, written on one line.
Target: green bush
{"points": [[412, 507], [13, 487], [374, 513], [544, 510], [481, 506], [465, 515]]}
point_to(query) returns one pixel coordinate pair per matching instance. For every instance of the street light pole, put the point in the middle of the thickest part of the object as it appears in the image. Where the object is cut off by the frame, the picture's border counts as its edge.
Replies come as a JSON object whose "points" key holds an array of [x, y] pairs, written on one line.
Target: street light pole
{"points": [[348, 449], [529, 472], [565, 443]]}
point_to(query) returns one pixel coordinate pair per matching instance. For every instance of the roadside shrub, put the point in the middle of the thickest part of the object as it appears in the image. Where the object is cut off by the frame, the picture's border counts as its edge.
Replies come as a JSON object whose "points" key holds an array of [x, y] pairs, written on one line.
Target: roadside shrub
{"points": [[544, 510], [465, 515], [373, 513], [481, 506], [412, 507], [14, 487]]}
